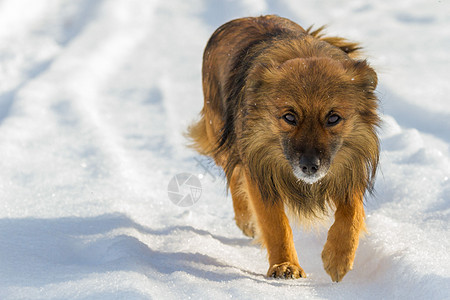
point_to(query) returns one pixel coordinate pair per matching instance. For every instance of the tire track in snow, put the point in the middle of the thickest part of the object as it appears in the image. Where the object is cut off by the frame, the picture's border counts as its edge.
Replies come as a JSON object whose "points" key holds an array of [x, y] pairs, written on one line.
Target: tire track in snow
{"points": [[22, 64], [83, 71]]}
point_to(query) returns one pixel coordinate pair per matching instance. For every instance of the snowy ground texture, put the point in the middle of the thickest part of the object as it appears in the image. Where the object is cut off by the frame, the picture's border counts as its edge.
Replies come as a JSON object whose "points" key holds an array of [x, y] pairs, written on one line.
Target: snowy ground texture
{"points": [[94, 97]]}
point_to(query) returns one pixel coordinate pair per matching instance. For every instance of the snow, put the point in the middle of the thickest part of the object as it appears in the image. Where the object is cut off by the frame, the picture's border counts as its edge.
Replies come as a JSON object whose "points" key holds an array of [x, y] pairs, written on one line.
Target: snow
{"points": [[94, 99]]}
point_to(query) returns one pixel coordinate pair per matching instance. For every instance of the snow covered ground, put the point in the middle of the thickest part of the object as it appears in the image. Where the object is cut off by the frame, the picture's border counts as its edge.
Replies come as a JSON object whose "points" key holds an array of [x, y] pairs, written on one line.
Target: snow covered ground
{"points": [[94, 97]]}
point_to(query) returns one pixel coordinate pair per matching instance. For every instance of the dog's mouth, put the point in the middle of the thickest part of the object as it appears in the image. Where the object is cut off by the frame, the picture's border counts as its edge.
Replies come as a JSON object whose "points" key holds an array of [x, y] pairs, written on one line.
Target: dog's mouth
{"points": [[310, 165], [309, 178], [310, 168]]}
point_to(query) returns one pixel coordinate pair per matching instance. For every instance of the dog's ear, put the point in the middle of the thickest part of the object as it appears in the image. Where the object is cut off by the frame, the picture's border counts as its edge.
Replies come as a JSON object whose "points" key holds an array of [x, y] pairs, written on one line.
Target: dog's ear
{"points": [[362, 74], [258, 76]]}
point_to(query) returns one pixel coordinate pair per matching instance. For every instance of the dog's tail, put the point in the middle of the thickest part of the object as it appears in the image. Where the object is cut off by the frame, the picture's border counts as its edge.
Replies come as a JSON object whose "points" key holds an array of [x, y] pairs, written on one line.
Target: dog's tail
{"points": [[198, 137], [351, 48]]}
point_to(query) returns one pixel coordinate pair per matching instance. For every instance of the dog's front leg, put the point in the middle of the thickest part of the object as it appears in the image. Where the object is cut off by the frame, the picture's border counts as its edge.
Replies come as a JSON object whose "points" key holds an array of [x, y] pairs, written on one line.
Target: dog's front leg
{"points": [[343, 237], [275, 234]]}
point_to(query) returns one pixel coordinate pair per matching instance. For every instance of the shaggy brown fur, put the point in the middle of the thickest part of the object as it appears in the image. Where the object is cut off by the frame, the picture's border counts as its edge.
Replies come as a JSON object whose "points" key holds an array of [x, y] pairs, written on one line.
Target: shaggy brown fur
{"points": [[290, 116]]}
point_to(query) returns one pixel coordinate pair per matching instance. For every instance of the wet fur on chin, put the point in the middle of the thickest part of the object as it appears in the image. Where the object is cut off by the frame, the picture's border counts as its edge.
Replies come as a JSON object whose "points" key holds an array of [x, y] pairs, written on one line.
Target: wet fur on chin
{"points": [[308, 179]]}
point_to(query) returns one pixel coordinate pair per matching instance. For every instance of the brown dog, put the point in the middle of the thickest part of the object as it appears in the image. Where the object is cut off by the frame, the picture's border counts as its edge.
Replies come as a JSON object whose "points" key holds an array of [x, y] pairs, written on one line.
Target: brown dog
{"points": [[290, 116]]}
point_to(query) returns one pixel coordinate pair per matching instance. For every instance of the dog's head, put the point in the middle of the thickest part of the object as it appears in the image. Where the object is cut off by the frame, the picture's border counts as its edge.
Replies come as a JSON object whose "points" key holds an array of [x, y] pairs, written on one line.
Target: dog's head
{"points": [[317, 106]]}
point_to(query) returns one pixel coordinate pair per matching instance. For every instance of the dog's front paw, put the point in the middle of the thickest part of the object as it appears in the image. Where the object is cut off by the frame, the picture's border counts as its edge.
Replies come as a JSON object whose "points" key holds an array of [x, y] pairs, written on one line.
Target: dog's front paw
{"points": [[336, 261], [286, 270]]}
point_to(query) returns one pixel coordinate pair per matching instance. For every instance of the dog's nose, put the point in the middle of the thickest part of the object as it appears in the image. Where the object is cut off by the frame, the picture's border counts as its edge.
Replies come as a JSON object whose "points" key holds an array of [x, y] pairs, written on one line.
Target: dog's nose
{"points": [[309, 164]]}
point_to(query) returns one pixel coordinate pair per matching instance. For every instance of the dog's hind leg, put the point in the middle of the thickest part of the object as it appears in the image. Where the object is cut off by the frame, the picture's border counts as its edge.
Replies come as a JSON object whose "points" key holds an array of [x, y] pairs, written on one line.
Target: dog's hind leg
{"points": [[242, 212]]}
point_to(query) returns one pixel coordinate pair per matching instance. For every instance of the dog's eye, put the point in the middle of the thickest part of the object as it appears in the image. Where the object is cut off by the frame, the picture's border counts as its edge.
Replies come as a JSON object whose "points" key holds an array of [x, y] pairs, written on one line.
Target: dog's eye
{"points": [[333, 120], [290, 119]]}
